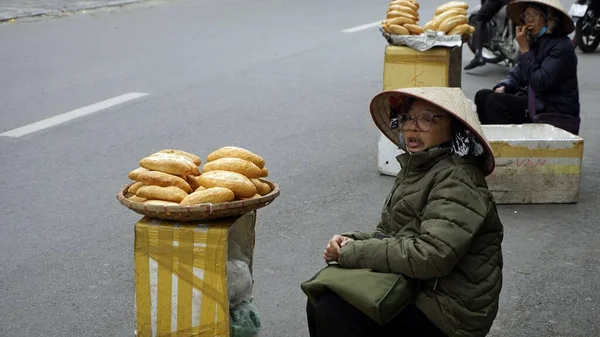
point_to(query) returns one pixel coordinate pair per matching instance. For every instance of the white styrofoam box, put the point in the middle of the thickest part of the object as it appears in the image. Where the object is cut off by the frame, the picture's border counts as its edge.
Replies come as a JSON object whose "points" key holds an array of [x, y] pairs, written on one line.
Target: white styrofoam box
{"points": [[386, 156], [535, 163], [527, 132]]}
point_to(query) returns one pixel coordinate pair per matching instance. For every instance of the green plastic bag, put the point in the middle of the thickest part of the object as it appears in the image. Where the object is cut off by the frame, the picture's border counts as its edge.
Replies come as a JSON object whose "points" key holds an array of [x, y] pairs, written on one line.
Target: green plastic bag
{"points": [[380, 296], [244, 320]]}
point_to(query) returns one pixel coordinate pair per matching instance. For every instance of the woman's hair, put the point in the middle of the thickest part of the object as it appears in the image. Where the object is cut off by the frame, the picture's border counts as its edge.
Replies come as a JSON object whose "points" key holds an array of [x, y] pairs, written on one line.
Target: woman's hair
{"points": [[457, 126], [554, 23], [409, 102]]}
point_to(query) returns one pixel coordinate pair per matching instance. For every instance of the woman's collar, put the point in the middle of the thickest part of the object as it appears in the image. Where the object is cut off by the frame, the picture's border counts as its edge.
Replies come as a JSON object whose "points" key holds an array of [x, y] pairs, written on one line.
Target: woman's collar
{"points": [[426, 159]]}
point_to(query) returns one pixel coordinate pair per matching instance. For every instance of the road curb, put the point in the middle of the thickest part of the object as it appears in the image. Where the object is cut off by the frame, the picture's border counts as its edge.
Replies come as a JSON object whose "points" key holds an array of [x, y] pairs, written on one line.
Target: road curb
{"points": [[67, 9]]}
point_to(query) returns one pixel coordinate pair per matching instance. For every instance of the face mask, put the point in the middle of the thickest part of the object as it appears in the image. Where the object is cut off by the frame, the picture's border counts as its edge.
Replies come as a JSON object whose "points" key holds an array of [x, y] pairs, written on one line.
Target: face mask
{"points": [[542, 32]]}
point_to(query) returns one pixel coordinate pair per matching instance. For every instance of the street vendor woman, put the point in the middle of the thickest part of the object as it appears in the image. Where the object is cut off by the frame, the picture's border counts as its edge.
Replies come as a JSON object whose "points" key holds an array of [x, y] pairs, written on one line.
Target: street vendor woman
{"points": [[542, 87], [439, 227]]}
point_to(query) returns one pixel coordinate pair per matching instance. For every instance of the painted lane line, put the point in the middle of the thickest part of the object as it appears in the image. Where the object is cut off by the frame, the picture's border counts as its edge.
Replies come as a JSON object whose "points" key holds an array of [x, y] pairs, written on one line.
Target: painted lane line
{"points": [[67, 116], [362, 27]]}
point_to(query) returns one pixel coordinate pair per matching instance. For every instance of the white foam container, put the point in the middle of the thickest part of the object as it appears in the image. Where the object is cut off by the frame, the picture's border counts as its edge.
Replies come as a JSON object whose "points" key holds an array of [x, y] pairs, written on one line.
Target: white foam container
{"points": [[535, 163]]}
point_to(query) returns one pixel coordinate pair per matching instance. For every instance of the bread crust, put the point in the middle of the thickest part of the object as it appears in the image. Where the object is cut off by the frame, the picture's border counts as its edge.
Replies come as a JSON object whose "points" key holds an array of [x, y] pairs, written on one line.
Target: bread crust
{"points": [[241, 186]]}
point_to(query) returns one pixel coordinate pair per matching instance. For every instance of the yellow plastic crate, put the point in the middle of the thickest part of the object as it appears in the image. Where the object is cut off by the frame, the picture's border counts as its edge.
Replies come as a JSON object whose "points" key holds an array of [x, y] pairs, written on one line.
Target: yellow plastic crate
{"points": [[405, 67], [181, 275]]}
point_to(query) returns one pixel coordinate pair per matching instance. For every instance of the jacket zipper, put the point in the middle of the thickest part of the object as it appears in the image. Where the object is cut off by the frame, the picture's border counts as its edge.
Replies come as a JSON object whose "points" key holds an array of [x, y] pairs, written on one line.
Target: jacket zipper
{"points": [[397, 183], [404, 174]]}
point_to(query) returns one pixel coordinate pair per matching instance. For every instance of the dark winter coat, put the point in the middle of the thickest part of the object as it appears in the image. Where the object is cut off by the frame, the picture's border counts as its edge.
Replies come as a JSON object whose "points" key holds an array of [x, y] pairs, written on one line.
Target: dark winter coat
{"points": [[439, 225], [550, 69]]}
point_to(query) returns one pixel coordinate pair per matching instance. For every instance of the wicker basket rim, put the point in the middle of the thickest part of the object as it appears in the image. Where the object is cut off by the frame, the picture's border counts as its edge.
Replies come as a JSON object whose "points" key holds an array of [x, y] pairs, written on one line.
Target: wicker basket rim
{"points": [[200, 208]]}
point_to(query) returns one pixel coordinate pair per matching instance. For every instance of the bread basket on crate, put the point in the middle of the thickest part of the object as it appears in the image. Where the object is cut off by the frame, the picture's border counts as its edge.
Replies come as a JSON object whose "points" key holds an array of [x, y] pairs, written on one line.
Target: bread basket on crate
{"points": [[199, 212]]}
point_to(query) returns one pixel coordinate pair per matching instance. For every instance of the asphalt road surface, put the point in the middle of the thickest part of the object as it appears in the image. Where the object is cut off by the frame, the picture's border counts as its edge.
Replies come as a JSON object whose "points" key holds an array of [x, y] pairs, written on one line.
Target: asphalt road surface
{"points": [[277, 77], [16, 9]]}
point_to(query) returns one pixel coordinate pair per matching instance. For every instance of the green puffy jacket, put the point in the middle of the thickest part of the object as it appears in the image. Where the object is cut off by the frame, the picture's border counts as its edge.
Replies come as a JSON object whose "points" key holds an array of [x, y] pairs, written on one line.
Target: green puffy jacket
{"points": [[444, 230]]}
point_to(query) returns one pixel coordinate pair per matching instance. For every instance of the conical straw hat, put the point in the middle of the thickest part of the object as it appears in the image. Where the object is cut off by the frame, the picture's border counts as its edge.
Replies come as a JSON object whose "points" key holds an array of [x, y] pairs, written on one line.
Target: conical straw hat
{"points": [[515, 10], [451, 100]]}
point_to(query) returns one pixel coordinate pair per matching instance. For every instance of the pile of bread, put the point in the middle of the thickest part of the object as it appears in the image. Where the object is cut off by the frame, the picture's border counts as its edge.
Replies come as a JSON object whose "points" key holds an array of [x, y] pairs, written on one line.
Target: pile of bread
{"points": [[402, 18], [450, 18], [174, 177]]}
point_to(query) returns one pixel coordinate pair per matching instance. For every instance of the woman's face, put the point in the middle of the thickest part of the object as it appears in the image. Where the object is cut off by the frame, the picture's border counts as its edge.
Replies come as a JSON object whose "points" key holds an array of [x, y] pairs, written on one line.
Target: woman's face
{"points": [[534, 20], [425, 126]]}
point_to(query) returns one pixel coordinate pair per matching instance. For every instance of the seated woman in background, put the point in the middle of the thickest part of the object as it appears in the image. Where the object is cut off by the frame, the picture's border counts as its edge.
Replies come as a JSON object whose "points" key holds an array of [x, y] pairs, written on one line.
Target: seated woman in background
{"points": [[542, 87]]}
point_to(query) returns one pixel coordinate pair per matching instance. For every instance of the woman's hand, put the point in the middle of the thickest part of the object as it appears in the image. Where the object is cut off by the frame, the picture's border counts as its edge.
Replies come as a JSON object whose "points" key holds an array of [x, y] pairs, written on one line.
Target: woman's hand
{"points": [[500, 90], [523, 38], [332, 251]]}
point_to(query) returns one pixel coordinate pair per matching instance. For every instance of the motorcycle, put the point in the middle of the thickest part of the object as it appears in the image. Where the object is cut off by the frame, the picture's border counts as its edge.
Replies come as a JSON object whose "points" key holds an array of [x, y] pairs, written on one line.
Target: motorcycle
{"points": [[587, 29], [499, 38]]}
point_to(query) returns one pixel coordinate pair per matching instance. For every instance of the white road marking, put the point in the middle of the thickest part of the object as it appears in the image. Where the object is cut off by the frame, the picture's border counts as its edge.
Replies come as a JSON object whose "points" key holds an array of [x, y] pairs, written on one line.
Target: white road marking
{"points": [[67, 116], [362, 27]]}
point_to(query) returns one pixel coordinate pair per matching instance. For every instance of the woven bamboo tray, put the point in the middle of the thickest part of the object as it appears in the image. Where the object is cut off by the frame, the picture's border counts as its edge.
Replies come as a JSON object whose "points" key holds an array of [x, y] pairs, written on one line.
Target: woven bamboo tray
{"points": [[200, 211]]}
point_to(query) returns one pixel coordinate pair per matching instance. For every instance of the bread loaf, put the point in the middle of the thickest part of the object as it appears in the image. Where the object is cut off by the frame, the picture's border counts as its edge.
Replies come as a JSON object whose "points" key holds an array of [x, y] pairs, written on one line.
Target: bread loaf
{"points": [[395, 14], [163, 179], [414, 29], [241, 186], [400, 20], [450, 5], [195, 159], [264, 172], [236, 152], [256, 196], [133, 174], [195, 169], [212, 195], [168, 163], [160, 203], [192, 181], [404, 9], [135, 198], [448, 24], [437, 20], [413, 5], [133, 188], [169, 193], [429, 26], [261, 188], [399, 30], [460, 30], [241, 166]]}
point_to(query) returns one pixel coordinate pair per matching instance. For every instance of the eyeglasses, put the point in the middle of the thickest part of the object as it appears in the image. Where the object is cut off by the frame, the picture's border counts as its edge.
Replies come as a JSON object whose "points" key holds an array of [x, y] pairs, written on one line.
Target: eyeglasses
{"points": [[423, 120], [530, 16]]}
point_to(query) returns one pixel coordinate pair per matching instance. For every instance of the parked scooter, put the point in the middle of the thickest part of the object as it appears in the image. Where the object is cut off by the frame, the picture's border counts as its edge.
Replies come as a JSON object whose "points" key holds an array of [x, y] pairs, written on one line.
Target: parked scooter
{"points": [[587, 29], [499, 38]]}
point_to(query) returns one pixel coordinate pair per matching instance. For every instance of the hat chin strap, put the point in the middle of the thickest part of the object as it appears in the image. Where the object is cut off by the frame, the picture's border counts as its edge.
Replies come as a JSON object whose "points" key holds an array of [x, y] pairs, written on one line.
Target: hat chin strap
{"points": [[402, 143]]}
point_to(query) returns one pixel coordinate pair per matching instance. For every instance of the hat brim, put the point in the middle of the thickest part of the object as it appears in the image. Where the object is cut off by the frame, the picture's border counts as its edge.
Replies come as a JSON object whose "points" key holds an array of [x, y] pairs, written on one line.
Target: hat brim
{"points": [[515, 10], [380, 113]]}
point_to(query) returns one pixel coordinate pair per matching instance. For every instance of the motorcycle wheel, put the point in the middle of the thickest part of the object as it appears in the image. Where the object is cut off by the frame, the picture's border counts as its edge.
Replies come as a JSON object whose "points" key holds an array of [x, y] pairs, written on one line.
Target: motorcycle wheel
{"points": [[586, 46], [488, 55]]}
